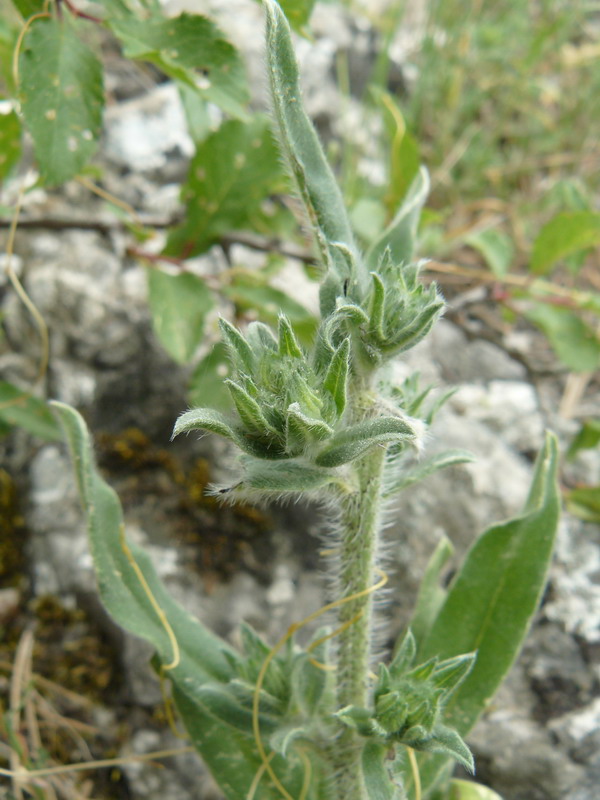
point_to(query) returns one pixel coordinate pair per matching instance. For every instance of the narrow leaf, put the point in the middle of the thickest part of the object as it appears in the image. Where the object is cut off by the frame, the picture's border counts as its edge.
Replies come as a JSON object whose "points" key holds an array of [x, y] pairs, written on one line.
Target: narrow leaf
{"points": [[494, 596], [301, 147], [179, 305], [298, 12], [249, 411], [288, 344], [565, 234], [206, 419], [431, 594], [286, 477], [404, 479], [336, 379], [401, 234], [61, 97], [241, 352], [352, 442]]}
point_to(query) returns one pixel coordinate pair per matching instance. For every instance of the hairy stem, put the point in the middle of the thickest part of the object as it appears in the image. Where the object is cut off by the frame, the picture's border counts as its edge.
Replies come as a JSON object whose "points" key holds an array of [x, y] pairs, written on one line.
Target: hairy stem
{"points": [[360, 522]]}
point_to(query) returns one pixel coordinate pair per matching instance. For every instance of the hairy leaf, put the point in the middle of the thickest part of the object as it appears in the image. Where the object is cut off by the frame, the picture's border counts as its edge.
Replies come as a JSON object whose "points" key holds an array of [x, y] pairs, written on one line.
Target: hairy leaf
{"points": [[377, 780], [61, 97], [404, 479], [301, 147]]}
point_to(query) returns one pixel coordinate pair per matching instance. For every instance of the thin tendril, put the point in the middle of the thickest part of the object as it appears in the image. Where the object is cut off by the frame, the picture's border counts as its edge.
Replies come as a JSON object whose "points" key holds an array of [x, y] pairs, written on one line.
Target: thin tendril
{"points": [[296, 626], [415, 772]]}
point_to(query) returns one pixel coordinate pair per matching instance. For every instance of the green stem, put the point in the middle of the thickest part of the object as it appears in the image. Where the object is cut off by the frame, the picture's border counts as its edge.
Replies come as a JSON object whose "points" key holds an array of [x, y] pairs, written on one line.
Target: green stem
{"points": [[360, 523]]}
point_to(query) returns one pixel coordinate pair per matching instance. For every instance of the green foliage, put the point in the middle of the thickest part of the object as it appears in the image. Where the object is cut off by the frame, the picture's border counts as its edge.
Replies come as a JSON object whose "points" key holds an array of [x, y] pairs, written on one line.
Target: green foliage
{"points": [[565, 234], [576, 344], [179, 304], [28, 412], [10, 141], [232, 173], [61, 97], [317, 416], [185, 47]]}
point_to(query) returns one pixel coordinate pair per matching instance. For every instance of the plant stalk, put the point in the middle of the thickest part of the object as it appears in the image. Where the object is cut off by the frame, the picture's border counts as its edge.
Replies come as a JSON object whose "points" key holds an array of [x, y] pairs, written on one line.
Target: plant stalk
{"points": [[359, 534]]}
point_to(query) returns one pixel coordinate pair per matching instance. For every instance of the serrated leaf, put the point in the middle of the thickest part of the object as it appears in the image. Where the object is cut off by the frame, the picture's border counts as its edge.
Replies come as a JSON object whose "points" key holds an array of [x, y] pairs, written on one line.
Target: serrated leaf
{"points": [[234, 170], [575, 343], [496, 247], [10, 140], [179, 305], [565, 234], [352, 442], [401, 234], [190, 49], [21, 409], [61, 97]]}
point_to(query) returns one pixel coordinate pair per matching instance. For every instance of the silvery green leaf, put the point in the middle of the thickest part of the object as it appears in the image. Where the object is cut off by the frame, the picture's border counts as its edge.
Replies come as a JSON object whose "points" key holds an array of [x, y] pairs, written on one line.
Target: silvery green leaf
{"points": [[416, 329], [407, 478], [378, 782], [249, 411], [361, 720], [448, 742], [240, 351], [306, 428], [301, 147], [404, 656], [401, 234], [308, 680], [206, 419], [377, 307], [336, 379], [245, 693], [220, 702], [253, 645], [260, 337], [352, 312], [283, 737], [288, 344], [286, 476], [451, 672], [352, 442]]}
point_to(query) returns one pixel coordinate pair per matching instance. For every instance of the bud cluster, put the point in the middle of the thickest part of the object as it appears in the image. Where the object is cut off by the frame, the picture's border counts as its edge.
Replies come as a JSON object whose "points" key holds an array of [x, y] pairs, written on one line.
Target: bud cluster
{"points": [[408, 704]]}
